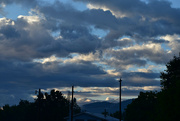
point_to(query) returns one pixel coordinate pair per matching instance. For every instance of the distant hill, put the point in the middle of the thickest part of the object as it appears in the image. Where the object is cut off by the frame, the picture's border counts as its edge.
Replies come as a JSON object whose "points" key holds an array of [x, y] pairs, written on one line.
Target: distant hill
{"points": [[99, 107]]}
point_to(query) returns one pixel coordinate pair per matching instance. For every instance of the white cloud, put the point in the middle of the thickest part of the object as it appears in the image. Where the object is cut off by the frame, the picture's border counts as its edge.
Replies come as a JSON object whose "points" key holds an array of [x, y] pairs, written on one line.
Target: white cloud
{"points": [[148, 68], [171, 38], [30, 19], [143, 70], [4, 22], [3, 5], [113, 100], [52, 58], [113, 72], [82, 101], [83, 57], [174, 43], [118, 14], [154, 47], [125, 39]]}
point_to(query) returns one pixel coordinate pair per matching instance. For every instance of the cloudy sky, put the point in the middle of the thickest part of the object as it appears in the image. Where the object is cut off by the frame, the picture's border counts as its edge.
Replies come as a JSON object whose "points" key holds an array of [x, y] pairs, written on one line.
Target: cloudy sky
{"points": [[86, 43]]}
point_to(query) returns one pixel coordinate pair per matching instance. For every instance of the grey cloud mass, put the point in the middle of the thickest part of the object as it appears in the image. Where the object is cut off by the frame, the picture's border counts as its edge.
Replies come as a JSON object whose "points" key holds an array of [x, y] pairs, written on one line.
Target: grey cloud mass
{"points": [[57, 45]]}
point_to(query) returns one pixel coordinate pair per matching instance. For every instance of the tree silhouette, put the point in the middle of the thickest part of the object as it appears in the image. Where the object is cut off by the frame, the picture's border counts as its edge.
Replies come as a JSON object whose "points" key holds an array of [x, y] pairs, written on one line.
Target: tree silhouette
{"points": [[47, 107], [169, 97], [170, 77], [161, 106], [143, 108], [54, 106], [25, 111]]}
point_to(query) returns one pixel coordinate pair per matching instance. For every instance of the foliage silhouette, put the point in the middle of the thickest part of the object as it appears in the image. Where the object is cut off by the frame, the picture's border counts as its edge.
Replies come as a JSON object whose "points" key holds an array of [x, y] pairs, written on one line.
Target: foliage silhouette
{"points": [[143, 108], [170, 77], [159, 106], [47, 107], [169, 98]]}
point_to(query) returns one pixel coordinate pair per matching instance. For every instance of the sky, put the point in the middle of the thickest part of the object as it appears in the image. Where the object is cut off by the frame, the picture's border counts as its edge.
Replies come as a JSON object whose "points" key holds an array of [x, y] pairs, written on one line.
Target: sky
{"points": [[54, 44]]}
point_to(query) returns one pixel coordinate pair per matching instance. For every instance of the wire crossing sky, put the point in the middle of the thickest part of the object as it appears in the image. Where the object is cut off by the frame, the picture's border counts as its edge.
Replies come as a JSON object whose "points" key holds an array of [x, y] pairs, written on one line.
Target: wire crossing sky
{"points": [[54, 44]]}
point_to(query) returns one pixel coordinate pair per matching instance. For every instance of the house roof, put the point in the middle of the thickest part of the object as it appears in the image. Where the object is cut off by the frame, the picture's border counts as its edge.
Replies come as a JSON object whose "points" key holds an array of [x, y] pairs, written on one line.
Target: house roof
{"points": [[100, 116]]}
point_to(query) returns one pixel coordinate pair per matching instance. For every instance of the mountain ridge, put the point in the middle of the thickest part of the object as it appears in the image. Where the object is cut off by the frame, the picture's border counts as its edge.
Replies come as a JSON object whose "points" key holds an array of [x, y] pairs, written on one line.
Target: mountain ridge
{"points": [[99, 107]]}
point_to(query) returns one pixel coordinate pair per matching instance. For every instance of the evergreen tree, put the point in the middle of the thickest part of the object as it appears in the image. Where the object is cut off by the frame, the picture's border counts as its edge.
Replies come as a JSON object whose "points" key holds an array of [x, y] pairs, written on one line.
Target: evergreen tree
{"points": [[168, 99]]}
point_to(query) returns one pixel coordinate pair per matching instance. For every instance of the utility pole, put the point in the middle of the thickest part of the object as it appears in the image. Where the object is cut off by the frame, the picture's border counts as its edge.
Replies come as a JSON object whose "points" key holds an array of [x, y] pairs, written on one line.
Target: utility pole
{"points": [[39, 99], [72, 103], [120, 99], [68, 97]]}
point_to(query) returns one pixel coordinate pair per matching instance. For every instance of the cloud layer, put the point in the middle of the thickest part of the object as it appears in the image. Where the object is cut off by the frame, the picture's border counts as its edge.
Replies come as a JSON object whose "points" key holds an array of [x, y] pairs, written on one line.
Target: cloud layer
{"points": [[57, 45]]}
